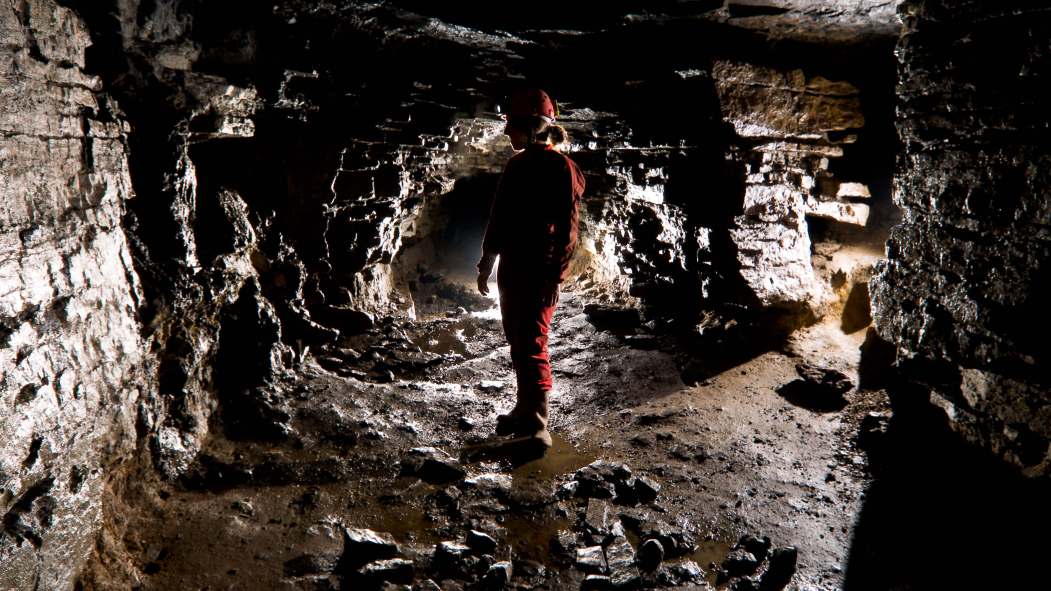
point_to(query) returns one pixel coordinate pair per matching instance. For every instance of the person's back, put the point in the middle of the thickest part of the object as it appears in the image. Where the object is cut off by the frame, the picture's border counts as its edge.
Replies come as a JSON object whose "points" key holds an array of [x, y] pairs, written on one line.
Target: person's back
{"points": [[533, 230]]}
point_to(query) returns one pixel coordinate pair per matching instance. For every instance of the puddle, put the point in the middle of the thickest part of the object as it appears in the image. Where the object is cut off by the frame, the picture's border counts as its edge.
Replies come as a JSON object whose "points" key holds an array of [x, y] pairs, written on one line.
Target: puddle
{"points": [[709, 551], [562, 458], [530, 538]]}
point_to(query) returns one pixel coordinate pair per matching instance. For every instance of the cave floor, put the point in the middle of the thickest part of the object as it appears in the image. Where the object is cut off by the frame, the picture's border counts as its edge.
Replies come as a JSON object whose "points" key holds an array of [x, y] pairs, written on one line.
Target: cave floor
{"points": [[730, 455]]}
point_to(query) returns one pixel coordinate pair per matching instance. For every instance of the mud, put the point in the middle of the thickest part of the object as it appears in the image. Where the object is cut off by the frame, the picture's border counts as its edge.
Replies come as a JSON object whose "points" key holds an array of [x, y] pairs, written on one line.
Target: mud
{"points": [[729, 455]]}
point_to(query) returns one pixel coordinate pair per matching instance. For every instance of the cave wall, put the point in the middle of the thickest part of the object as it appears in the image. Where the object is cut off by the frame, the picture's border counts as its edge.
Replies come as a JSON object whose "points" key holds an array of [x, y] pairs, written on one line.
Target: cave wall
{"points": [[73, 362], [964, 290], [279, 153]]}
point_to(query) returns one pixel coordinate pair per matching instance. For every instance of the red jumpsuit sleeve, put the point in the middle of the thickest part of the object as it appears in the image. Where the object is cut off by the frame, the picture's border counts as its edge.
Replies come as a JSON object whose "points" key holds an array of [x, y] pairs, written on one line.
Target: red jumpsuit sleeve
{"points": [[566, 220], [496, 229]]}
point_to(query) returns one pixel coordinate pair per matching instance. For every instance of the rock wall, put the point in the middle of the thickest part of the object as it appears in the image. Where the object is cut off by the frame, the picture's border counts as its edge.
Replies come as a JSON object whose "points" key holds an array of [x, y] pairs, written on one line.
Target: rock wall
{"points": [[965, 287], [72, 360], [278, 155]]}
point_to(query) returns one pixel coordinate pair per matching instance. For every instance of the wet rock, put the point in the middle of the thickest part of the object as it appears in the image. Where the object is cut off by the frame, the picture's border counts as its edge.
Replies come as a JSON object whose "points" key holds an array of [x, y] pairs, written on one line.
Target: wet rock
{"points": [[757, 546], [394, 570], [818, 389], [347, 320], [243, 507], [620, 560], [600, 520], [432, 465], [739, 563], [596, 583], [745, 584], [568, 490], [490, 386], [490, 484], [681, 573], [563, 545], [362, 546], [530, 573], [451, 559], [779, 571], [599, 479], [591, 559], [675, 539], [646, 489], [315, 583], [480, 543], [498, 575], [651, 554], [613, 318]]}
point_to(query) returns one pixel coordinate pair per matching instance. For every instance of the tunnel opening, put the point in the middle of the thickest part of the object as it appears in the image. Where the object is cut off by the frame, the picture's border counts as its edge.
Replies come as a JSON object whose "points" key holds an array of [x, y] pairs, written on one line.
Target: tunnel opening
{"points": [[441, 246]]}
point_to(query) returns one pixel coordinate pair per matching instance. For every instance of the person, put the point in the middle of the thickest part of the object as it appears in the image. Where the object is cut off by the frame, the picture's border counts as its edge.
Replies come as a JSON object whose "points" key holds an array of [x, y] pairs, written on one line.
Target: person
{"points": [[532, 229]]}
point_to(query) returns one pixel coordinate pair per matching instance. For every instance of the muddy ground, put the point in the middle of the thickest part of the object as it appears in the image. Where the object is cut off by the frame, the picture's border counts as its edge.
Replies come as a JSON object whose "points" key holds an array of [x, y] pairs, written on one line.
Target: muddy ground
{"points": [[708, 463]]}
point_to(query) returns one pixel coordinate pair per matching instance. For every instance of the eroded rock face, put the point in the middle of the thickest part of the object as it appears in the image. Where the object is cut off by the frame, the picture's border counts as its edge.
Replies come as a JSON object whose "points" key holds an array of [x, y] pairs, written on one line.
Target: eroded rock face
{"points": [[965, 288], [280, 155], [72, 356]]}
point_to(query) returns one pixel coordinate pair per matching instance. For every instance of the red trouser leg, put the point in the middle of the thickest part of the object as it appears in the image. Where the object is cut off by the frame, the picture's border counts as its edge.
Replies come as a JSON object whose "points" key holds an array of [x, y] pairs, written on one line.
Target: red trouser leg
{"points": [[526, 315]]}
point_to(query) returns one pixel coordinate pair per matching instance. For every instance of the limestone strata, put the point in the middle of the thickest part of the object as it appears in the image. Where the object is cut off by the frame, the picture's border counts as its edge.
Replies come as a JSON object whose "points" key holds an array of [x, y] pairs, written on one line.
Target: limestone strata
{"points": [[965, 288], [70, 346]]}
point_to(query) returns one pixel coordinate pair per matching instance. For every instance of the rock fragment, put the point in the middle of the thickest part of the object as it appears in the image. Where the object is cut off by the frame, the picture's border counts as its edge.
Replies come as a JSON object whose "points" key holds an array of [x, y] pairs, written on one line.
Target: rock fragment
{"points": [[364, 545], [480, 542], [498, 576], [739, 563], [754, 544], [818, 389], [680, 573], [432, 465], [620, 560], [394, 570], [780, 569], [651, 554], [591, 559]]}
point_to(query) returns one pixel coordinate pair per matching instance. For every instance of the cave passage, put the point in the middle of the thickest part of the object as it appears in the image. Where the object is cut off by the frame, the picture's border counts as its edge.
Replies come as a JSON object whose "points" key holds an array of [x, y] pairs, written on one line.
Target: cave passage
{"points": [[242, 347]]}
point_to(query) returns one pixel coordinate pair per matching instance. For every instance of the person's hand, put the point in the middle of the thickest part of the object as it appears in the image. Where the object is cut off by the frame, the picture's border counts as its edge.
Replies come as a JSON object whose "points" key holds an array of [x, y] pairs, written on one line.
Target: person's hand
{"points": [[485, 269]]}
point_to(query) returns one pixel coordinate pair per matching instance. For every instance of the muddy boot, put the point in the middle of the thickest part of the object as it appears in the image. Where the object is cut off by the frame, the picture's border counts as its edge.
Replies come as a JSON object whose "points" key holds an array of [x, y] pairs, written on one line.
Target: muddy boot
{"points": [[528, 419], [511, 423]]}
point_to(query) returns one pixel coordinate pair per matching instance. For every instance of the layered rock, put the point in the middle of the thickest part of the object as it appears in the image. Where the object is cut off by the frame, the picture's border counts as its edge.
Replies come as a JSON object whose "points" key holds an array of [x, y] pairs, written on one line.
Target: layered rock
{"points": [[964, 291], [791, 126], [73, 362]]}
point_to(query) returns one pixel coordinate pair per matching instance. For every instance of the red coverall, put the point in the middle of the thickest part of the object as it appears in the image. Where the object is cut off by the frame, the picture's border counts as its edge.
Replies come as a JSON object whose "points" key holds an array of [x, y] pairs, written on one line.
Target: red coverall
{"points": [[533, 227]]}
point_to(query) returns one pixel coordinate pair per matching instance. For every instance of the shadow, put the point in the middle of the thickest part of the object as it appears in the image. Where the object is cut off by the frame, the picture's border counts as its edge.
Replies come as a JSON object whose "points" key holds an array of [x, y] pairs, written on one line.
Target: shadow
{"points": [[941, 514]]}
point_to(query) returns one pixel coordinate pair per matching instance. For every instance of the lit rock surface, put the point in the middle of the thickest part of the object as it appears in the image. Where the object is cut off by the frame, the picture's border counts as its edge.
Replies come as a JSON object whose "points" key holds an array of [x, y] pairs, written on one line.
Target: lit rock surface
{"points": [[965, 287], [72, 354]]}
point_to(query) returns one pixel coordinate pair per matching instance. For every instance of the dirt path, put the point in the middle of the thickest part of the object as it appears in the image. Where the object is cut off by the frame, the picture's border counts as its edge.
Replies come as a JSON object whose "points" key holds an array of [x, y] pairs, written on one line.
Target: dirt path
{"points": [[730, 456]]}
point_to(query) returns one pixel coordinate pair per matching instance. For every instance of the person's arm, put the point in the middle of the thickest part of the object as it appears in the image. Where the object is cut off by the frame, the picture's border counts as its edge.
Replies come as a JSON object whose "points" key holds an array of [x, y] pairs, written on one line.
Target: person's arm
{"points": [[495, 232]]}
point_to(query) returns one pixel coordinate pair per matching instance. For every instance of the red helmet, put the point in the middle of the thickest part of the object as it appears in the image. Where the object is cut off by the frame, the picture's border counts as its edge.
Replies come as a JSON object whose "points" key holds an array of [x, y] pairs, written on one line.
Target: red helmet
{"points": [[532, 102]]}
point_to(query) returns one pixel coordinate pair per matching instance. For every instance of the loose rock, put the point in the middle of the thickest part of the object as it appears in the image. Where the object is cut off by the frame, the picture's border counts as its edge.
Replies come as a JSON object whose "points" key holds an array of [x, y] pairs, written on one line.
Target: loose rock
{"points": [[819, 389], [480, 543], [651, 554], [780, 569], [364, 545], [739, 563], [394, 570], [757, 546], [591, 559], [432, 465]]}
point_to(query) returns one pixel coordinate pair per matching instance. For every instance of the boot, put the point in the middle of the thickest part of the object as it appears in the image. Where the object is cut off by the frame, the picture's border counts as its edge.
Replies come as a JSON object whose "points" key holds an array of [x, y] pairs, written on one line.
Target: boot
{"points": [[527, 419]]}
